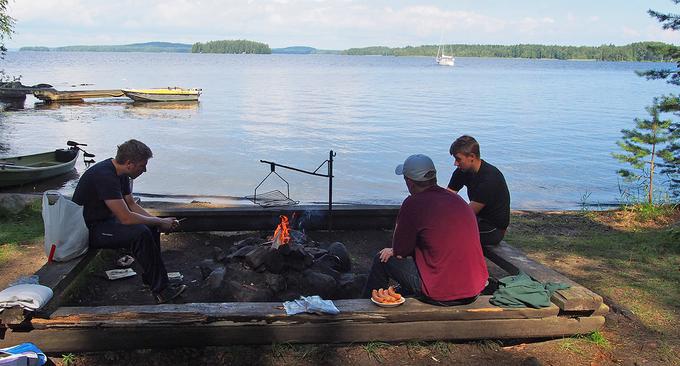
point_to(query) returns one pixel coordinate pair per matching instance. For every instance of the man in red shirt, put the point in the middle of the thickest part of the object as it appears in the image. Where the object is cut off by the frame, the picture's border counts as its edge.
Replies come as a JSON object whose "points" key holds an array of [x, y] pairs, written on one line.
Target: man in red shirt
{"points": [[435, 253]]}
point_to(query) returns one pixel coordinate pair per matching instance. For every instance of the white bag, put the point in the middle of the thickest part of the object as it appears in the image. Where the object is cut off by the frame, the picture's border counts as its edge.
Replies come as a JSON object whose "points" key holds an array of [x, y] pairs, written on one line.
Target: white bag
{"points": [[64, 228]]}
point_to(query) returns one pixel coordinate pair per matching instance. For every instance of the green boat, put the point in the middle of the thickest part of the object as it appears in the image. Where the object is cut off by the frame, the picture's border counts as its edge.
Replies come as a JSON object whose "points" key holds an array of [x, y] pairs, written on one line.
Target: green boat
{"points": [[24, 169]]}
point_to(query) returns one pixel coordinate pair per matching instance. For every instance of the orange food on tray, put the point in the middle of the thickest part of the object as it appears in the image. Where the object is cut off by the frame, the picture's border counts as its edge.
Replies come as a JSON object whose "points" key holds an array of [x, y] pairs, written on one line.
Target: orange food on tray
{"points": [[388, 296]]}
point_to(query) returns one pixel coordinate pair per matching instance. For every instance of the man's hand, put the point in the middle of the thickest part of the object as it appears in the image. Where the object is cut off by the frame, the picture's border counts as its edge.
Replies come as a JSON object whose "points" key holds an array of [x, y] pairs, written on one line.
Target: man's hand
{"points": [[386, 254], [168, 224]]}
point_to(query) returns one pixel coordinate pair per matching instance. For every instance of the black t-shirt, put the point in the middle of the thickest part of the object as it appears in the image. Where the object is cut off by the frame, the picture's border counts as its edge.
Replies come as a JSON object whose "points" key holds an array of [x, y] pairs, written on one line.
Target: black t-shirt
{"points": [[487, 186], [97, 184]]}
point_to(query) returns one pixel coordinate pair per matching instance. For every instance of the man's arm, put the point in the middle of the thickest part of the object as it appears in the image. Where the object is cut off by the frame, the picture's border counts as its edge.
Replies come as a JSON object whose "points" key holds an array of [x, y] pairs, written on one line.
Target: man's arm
{"points": [[126, 217], [452, 190], [134, 206], [476, 206]]}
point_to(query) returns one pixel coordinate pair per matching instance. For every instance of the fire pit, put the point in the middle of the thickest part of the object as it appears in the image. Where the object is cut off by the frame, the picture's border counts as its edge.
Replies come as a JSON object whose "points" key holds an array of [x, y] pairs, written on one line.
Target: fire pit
{"points": [[282, 267]]}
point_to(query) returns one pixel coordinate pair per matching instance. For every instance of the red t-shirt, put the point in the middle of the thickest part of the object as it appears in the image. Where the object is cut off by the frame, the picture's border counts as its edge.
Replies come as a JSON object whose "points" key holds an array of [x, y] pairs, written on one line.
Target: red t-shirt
{"points": [[439, 229]]}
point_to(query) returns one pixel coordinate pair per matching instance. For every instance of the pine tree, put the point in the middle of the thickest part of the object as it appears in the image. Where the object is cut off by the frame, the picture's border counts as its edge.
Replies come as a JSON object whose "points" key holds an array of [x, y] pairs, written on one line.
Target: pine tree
{"points": [[670, 154], [642, 146]]}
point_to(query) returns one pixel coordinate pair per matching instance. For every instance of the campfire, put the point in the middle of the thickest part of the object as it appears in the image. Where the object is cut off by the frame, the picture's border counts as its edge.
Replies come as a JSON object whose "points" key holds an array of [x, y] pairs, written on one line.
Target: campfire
{"points": [[283, 266], [282, 233]]}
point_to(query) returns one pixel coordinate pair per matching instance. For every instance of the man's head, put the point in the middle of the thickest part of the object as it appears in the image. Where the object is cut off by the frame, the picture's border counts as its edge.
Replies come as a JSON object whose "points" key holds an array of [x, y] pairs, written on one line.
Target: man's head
{"points": [[419, 172], [465, 151], [133, 155]]}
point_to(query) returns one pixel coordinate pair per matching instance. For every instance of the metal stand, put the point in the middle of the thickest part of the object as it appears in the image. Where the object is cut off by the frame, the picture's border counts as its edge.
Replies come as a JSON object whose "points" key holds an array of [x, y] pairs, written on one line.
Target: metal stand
{"points": [[329, 175]]}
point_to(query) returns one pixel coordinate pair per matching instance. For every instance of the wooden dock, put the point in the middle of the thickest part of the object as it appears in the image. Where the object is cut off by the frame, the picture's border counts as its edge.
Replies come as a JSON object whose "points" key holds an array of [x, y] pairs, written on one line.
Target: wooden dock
{"points": [[75, 95], [77, 329]]}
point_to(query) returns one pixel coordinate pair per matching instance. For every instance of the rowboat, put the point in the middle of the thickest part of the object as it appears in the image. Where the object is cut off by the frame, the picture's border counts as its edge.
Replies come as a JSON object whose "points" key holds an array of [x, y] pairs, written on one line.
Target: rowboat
{"points": [[163, 94], [51, 95], [24, 169]]}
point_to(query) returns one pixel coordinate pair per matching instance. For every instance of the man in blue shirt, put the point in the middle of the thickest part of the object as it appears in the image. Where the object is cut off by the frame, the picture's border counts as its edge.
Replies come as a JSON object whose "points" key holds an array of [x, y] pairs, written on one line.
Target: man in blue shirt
{"points": [[115, 220]]}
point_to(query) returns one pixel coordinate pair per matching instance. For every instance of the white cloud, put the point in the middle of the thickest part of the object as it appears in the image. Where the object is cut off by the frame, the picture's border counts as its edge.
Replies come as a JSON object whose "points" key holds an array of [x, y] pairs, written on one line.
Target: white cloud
{"points": [[319, 23]]}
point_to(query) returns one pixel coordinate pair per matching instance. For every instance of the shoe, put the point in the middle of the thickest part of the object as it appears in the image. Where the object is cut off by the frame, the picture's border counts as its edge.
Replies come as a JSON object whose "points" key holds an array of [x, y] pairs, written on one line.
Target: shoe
{"points": [[169, 293]]}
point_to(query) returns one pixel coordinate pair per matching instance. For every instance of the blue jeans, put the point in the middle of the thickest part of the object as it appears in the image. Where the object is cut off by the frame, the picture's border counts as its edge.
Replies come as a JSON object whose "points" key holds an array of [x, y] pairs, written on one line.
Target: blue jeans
{"points": [[403, 270]]}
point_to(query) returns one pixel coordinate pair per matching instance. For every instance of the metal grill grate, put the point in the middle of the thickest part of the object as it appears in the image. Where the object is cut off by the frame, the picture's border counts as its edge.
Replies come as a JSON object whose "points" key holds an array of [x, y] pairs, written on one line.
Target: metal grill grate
{"points": [[272, 199]]}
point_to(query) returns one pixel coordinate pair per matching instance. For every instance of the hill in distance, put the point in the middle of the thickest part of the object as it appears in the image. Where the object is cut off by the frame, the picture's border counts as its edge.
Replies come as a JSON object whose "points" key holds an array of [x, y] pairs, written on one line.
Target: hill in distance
{"points": [[134, 47]]}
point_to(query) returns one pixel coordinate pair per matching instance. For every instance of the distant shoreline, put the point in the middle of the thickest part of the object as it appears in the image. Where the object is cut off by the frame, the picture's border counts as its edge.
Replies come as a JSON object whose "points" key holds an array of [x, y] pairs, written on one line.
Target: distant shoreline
{"points": [[639, 52]]}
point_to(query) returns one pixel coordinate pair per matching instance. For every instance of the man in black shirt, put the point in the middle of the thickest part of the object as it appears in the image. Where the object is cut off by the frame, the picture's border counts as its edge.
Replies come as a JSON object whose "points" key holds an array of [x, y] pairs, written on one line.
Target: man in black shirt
{"points": [[115, 220], [486, 187]]}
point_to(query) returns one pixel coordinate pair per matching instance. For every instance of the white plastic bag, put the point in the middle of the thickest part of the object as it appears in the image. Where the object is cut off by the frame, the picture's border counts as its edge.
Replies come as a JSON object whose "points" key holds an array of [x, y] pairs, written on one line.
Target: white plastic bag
{"points": [[65, 228]]}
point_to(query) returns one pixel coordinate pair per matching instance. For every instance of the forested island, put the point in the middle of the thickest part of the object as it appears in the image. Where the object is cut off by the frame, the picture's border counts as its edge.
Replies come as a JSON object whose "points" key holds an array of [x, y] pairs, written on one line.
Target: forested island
{"points": [[640, 51], [231, 46]]}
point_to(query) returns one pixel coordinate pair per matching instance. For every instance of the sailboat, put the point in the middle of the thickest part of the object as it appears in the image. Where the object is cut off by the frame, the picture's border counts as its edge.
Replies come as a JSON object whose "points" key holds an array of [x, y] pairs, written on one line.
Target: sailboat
{"points": [[444, 59]]}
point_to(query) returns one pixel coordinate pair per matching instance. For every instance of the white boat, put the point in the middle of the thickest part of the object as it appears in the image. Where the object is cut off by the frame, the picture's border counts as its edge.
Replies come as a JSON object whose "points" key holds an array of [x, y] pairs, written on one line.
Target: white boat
{"points": [[443, 59]]}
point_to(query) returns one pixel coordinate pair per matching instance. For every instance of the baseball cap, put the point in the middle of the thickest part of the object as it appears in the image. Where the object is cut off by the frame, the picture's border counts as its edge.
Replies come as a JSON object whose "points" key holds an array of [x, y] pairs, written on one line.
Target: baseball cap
{"points": [[417, 167]]}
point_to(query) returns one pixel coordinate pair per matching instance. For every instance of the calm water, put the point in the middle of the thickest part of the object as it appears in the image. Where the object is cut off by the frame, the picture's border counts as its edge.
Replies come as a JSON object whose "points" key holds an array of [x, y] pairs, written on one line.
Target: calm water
{"points": [[550, 126]]}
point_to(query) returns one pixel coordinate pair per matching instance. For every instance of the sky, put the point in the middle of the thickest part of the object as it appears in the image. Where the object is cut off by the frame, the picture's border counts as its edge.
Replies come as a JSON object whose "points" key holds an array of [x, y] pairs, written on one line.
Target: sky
{"points": [[338, 24]]}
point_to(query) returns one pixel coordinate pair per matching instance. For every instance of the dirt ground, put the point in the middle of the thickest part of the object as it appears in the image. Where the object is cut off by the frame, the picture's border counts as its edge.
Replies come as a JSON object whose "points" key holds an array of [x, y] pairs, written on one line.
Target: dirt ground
{"points": [[628, 341], [185, 252]]}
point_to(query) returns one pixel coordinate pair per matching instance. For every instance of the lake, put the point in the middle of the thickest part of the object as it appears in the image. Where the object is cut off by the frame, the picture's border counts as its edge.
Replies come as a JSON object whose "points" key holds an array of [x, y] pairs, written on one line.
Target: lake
{"points": [[550, 126]]}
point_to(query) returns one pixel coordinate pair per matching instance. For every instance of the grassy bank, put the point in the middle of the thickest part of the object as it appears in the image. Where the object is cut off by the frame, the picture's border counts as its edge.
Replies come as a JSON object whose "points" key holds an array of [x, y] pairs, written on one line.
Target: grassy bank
{"points": [[16, 230], [629, 256]]}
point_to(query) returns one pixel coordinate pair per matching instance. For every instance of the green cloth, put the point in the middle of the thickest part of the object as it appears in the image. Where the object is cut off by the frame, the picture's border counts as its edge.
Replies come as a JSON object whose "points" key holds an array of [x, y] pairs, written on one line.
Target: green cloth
{"points": [[523, 291]]}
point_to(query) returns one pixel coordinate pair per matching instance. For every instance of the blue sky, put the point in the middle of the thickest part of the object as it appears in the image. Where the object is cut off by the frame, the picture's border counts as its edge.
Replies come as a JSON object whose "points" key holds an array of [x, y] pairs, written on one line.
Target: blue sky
{"points": [[338, 24]]}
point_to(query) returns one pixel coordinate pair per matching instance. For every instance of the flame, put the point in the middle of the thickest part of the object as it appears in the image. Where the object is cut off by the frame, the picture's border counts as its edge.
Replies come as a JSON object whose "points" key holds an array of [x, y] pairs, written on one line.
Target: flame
{"points": [[282, 232]]}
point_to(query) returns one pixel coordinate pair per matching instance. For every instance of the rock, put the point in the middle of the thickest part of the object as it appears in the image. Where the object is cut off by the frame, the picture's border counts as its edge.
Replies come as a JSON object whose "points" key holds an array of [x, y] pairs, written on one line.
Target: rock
{"points": [[218, 254], [215, 278], [316, 283], [350, 286], [207, 266], [326, 265], [247, 293], [258, 256], [339, 250], [276, 283], [316, 252], [241, 252], [12, 204]]}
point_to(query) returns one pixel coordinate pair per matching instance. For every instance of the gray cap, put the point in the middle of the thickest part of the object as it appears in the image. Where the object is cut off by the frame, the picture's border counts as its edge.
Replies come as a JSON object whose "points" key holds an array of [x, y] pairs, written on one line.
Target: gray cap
{"points": [[417, 167]]}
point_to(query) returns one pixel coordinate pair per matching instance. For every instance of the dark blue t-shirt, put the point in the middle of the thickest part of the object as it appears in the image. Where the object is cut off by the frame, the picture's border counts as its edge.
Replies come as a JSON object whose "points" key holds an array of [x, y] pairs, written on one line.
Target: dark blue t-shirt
{"points": [[99, 183]]}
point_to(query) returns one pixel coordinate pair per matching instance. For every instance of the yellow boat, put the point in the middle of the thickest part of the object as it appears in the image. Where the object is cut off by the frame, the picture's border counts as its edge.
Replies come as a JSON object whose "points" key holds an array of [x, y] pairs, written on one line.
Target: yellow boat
{"points": [[163, 94]]}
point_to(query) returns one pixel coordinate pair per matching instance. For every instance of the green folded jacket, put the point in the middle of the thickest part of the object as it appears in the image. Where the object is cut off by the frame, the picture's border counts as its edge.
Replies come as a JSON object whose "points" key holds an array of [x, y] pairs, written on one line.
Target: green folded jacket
{"points": [[523, 291]]}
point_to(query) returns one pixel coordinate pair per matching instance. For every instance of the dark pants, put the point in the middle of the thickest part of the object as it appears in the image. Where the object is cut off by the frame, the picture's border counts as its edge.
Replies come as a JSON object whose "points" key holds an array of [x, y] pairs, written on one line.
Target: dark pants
{"points": [[488, 233], [143, 241], [404, 271]]}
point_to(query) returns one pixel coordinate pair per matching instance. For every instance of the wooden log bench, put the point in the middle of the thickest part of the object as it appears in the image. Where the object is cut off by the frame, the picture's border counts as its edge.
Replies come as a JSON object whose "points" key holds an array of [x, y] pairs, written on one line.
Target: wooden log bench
{"points": [[576, 299], [76, 329]]}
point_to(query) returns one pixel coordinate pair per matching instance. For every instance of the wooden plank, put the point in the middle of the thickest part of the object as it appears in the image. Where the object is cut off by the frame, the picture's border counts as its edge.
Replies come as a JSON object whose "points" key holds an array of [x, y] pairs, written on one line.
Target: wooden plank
{"points": [[58, 276], [74, 339], [345, 217], [576, 298], [350, 310]]}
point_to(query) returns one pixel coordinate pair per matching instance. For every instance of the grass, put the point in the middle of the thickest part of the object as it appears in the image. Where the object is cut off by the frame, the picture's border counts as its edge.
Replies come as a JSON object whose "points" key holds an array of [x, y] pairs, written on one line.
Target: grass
{"points": [[630, 255], [19, 229], [68, 359], [372, 348]]}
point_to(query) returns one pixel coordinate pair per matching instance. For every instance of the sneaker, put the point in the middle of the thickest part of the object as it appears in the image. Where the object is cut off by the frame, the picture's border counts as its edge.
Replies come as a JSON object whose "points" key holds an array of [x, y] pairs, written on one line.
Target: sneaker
{"points": [[169, 293]]}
